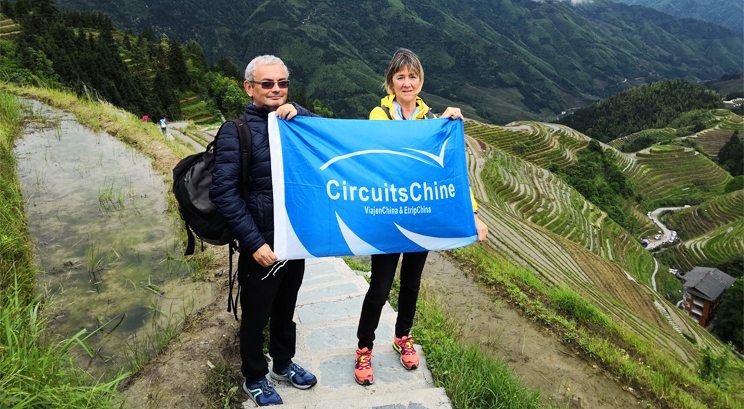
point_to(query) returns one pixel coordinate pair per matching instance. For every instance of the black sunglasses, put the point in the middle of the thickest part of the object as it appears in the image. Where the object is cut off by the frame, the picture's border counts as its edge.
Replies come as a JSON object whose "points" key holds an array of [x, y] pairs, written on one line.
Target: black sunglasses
{"points": [[270, 84]]}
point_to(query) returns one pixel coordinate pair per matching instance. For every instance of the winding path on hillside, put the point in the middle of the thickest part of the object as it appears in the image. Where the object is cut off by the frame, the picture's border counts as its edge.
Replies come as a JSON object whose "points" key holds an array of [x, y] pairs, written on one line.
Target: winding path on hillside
{"points": [[666, 234]]}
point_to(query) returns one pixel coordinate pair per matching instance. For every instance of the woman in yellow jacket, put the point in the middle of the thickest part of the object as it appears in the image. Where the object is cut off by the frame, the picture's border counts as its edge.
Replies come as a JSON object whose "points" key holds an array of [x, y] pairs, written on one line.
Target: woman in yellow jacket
{"points": [[403, 82]]}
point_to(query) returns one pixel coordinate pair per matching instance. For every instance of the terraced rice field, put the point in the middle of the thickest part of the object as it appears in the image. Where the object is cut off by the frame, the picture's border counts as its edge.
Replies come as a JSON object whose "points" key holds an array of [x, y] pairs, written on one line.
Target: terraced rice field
{"points": [[646, 228], [698, 220], [560, 261], [624, 160], [718, 245], [712, 140], [537, 221], [665, 134], [732, 122], [8, 28], [536, 195], [197, 111], [542, 143], [670, 173]]}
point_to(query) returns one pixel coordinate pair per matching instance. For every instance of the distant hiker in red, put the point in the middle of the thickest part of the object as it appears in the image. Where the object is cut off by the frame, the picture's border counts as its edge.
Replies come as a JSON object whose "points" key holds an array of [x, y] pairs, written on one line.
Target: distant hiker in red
{"points": [[145, 118]]}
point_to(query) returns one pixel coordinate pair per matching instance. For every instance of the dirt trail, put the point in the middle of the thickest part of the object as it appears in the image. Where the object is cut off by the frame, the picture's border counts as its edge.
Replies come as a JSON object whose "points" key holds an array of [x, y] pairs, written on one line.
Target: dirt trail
{"points": [[563, 377]]}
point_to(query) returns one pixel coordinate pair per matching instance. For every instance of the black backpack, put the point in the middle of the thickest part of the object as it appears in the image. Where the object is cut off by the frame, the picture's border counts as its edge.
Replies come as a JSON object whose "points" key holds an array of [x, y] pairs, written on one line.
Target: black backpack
{"points": [[192, 178]]}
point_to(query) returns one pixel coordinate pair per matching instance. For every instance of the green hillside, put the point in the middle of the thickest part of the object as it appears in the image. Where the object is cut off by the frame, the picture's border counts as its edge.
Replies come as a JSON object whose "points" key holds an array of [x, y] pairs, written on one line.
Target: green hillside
{"points": [[536, 195], [540, 57], [652, 106], [528, 190], [727, 83]]}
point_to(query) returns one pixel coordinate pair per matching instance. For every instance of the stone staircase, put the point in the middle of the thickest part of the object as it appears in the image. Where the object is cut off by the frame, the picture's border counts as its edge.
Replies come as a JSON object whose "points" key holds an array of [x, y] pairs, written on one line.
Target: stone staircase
{"points": [[327, 314]]}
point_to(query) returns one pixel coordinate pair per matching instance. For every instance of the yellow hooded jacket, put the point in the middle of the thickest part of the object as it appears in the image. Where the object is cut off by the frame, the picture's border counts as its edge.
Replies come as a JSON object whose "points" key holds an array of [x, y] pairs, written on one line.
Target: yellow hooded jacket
{"points": [[379, 114]]}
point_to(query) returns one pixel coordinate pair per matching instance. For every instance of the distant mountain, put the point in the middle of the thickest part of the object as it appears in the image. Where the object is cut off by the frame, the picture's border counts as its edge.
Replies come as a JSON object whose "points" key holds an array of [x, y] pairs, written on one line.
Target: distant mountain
{"points": [[727, 84], [726, 13], [498, 60]]}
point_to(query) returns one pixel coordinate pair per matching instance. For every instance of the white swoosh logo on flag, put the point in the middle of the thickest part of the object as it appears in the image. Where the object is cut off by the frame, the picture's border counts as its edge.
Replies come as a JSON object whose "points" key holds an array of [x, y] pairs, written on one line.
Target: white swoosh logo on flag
{"points": [[438, 158], [356, 245], [434, 243]]}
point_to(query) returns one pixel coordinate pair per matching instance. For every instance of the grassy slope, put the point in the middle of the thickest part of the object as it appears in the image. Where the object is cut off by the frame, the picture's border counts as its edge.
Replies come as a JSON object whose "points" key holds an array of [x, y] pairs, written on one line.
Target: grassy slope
{"points": [[16, 268], [637, 361]]}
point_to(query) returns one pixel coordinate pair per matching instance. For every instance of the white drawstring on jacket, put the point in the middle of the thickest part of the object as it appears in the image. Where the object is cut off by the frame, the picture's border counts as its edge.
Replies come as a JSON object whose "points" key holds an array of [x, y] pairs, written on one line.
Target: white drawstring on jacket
{"points": [[277, 265]]}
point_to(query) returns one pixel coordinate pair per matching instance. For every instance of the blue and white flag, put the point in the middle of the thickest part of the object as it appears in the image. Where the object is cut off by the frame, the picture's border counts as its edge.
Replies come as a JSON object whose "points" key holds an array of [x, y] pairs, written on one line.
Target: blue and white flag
{"points": [[353, 187]]}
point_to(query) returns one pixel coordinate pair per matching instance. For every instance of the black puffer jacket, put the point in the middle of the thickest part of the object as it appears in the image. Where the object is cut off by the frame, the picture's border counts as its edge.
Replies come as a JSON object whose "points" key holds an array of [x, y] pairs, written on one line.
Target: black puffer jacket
{"points": [[252, 224]]}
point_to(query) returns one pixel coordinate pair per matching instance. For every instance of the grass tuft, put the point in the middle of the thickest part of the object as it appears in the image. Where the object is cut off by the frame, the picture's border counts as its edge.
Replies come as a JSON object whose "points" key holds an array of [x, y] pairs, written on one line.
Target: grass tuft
{"points": [[471, 378]]}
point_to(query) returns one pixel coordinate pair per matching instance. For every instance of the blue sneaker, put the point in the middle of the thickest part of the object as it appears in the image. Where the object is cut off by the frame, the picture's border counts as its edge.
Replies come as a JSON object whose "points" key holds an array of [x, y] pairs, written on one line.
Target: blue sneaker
{"points": [[297, 376], [262, 393]]}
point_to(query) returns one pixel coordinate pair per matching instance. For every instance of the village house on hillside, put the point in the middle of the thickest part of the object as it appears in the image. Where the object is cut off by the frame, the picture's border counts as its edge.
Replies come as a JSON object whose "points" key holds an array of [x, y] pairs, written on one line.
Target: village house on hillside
{"points": [[704, 289]]}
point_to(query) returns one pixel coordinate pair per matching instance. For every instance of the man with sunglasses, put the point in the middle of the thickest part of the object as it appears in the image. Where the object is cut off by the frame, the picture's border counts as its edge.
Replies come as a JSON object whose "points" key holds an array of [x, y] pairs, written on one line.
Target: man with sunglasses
{"points": [[269, 287]]}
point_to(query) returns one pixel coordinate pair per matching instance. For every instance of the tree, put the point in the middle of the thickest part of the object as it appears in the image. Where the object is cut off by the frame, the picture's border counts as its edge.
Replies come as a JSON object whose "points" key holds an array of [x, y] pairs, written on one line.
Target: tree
{"points": [[177, 72], [147, 34], [731, 156], [736, 183], [730, 315], [169, 106], [194, 52], [229, 69]]}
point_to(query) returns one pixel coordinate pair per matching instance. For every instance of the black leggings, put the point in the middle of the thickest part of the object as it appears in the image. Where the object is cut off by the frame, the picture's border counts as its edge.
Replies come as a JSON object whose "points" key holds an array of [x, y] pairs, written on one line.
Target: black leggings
{"points": [[265, 293], [383, 273]]}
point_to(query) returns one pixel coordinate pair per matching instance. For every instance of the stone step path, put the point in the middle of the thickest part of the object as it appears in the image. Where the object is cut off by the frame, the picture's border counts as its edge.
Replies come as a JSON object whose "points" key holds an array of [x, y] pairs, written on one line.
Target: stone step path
{"points": [[327, 314]]}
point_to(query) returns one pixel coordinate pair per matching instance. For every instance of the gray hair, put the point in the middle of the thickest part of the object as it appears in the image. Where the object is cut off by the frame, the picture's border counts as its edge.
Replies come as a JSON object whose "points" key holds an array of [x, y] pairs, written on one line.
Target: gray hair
{"points": [[250, 70]]}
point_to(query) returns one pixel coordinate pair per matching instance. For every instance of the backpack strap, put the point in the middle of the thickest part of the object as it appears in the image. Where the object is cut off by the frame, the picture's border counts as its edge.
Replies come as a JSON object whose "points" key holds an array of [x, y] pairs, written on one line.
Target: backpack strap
{"points": [[191, 244], [386, 110], [245, 138]]}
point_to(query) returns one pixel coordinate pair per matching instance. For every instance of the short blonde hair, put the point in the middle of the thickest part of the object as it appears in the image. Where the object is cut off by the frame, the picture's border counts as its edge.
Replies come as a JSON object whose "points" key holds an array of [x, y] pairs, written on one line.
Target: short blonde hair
{"points": [[403, 58]]}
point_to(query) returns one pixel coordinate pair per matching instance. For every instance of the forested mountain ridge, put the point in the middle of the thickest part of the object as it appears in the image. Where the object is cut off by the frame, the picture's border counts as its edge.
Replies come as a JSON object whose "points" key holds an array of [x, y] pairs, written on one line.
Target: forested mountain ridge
{"points": [[652, 106], [727, 13], [500, 61]]}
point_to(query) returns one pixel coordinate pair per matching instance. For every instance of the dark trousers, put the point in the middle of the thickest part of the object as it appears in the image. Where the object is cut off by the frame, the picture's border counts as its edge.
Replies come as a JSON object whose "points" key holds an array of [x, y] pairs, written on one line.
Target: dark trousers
{"points": [[383, 273], [264, 294]]}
